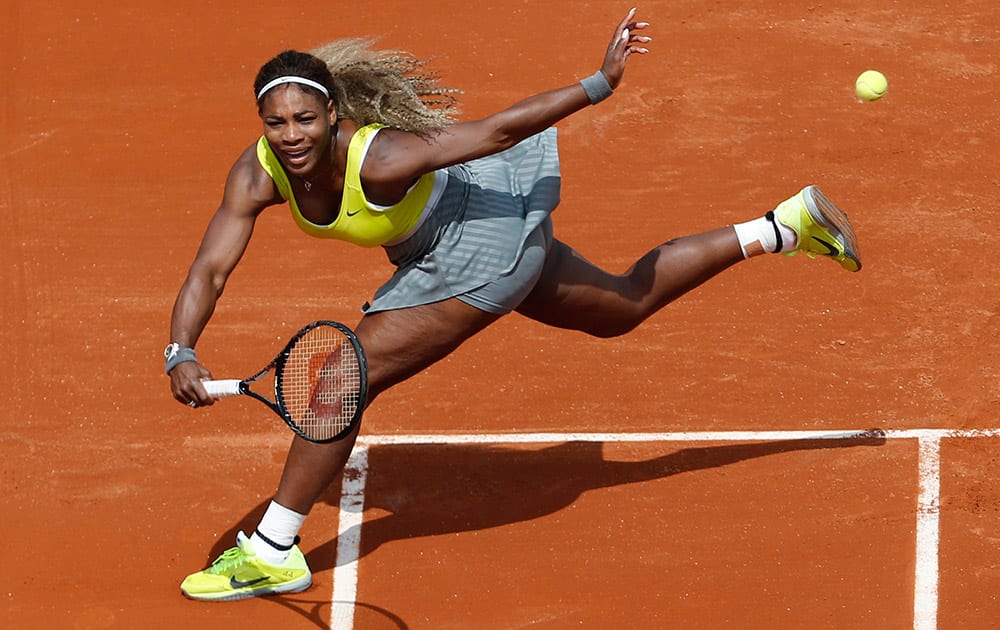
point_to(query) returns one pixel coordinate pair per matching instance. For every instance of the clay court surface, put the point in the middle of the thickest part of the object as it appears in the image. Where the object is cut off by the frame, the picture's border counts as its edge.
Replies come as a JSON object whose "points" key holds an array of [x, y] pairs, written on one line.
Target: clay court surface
{"points": [[707, 471]]}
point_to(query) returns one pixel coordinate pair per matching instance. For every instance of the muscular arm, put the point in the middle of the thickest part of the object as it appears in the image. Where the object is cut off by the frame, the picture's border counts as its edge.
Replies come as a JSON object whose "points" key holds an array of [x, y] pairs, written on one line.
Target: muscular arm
{"points": [[248, 191], [398, 157]]}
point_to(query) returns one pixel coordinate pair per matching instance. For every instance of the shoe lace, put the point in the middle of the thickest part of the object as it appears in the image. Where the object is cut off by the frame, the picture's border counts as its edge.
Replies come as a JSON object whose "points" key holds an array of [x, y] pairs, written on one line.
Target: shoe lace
{"points": [[230, 560]]}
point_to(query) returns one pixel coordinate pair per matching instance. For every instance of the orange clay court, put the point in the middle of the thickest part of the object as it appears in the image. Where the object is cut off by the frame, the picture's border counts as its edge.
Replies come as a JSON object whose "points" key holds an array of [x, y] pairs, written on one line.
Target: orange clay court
{"points": [[716, 468]]}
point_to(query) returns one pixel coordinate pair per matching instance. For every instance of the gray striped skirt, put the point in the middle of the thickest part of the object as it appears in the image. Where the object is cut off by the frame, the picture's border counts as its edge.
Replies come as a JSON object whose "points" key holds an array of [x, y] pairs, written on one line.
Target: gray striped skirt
{"points": [[478, 231]]}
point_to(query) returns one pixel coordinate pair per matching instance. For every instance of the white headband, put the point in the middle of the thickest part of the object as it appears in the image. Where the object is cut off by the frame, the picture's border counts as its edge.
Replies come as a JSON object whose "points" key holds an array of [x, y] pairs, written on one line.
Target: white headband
{"points": [[291, 79]]}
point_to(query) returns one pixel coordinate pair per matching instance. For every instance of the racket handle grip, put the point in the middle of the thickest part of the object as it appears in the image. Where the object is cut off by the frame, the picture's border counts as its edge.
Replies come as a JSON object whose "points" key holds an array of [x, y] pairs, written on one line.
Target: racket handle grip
{"points": [[221, 389]]}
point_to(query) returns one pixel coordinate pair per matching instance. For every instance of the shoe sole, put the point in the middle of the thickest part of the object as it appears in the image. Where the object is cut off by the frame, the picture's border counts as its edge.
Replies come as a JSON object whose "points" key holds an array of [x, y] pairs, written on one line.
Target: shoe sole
{"points": [[289, 587], [826, 214]]}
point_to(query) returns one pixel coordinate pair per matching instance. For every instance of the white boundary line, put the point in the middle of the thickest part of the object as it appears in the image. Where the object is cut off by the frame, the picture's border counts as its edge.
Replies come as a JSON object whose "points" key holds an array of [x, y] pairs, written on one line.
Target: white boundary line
{"points": [[925, 583], [345, 571], [679, 436], [925, 595]]}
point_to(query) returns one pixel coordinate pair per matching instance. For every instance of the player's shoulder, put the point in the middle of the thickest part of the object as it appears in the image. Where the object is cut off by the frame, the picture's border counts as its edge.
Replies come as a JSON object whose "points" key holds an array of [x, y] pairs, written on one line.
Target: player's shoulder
{"points": [[247, 163], [249, 179]]}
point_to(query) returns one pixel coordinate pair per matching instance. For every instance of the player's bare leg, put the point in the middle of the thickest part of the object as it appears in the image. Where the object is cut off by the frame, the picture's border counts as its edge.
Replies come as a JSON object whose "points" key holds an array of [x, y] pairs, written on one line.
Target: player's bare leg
{"points": [[398, 344], [573, 293]]}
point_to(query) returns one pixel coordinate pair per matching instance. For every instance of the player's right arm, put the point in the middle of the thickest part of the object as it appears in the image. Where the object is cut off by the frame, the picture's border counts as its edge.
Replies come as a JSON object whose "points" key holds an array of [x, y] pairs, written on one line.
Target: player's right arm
{"points": [[248, 191]]}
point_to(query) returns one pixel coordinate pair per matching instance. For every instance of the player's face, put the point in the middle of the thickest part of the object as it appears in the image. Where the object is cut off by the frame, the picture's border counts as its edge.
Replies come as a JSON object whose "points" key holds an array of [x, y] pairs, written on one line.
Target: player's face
{"points": [[298, 125]]}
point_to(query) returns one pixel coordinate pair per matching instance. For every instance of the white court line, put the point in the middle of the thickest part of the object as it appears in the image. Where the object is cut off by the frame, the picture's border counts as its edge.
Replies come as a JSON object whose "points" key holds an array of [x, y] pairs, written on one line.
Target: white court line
{"points": [[352, 501], [925, 584], [685, 436], [345, 572]]}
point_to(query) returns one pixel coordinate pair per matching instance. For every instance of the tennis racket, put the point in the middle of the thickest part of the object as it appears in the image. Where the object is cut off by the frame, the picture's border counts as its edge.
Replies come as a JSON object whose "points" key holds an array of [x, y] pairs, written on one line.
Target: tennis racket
{"points": [[320, 382]]}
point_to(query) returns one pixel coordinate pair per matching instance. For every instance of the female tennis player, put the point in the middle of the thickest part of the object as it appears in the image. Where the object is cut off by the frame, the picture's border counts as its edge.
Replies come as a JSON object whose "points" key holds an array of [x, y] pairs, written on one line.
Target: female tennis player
{"points": [[362, 147]]}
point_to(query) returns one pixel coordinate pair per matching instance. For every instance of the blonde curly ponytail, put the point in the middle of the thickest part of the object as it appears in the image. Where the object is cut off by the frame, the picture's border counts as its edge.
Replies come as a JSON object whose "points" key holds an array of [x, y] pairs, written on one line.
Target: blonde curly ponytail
{"points": [[391, 87]]}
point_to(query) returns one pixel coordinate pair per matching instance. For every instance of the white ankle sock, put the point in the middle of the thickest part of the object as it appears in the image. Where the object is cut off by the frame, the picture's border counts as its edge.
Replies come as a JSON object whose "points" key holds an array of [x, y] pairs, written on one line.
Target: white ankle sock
{"points": [[275, 535], [761, 231]]}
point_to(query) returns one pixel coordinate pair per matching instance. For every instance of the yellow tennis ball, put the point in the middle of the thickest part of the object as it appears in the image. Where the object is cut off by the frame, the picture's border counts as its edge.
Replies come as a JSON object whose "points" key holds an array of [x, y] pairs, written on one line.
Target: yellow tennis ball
{"points": [[871, 85]]}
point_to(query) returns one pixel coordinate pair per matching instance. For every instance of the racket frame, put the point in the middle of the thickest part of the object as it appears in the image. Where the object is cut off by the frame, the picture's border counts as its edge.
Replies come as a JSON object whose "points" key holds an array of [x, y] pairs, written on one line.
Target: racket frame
{"points": [[277, 365]]}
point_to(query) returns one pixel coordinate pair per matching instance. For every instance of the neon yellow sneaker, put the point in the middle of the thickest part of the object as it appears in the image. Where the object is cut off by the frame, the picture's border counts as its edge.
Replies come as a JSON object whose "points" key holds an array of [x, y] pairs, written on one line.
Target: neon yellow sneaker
{"points": [[821, 227], [239, 574]]}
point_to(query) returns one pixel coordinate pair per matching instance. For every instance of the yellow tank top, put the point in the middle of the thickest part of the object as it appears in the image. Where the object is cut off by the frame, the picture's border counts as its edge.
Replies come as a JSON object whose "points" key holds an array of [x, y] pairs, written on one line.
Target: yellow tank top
{"points": [[359, 221]]}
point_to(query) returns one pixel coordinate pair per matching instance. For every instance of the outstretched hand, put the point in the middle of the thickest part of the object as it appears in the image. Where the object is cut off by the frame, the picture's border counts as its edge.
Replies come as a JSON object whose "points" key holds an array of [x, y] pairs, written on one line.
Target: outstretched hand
{"points": [[623, 43]]}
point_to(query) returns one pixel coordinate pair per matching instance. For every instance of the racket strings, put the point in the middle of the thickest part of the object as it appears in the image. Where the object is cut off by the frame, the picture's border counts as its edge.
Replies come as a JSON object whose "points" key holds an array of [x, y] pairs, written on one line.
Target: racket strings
{"points": [[321, 383]]}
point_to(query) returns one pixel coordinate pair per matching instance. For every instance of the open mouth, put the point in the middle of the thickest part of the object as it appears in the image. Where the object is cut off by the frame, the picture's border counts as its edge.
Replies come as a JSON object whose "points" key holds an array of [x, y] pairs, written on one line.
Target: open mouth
{"points": [[298, 157]]}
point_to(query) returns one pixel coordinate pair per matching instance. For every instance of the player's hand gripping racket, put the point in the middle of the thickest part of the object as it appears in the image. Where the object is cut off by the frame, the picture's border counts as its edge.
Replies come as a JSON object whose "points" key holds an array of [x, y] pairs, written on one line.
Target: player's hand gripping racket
{"points": [[320, 382]]}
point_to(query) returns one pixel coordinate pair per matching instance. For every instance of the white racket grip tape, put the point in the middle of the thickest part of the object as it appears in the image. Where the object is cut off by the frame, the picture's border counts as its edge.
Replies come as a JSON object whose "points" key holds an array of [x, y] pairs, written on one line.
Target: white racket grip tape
{"points": [[221, 389]]}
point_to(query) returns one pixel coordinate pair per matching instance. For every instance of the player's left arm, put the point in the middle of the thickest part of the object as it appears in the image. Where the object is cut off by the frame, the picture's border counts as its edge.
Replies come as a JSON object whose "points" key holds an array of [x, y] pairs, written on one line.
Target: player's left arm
{"points": [[397, 156]]}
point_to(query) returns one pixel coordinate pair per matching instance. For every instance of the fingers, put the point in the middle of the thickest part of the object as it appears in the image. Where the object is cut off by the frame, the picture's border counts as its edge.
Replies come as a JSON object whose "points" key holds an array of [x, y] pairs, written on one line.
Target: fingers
{"points": [[199, 397], [642, 39], [185, 380], [635, 39], [626, 38], [624, 22], [627, 23], [631, 38]]}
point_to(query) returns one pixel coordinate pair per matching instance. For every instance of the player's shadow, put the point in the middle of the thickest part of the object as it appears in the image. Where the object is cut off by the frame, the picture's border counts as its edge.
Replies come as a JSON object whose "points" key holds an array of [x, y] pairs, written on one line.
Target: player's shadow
{"points": [[430, 490]]}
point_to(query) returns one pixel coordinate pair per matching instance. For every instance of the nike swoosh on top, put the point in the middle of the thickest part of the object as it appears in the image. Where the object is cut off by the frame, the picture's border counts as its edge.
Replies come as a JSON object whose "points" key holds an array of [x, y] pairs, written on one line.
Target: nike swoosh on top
{"points": [[351, 214], [238, 584]]}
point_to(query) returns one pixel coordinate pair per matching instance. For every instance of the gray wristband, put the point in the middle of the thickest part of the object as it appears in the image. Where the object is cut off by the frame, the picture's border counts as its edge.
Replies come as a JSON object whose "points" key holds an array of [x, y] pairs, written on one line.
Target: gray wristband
{"points": [[175, 354], [597, 87]]}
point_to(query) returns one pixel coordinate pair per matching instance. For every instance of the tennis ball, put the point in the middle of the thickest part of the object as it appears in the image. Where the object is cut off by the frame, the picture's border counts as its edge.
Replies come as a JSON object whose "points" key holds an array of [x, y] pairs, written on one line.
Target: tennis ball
{"points": [[871, 85]]}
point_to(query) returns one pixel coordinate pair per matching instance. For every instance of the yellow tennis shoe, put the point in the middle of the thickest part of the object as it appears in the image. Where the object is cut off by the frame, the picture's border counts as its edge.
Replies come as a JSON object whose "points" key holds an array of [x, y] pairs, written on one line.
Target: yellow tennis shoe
{"points": [[238, 574], [822, 229]]}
